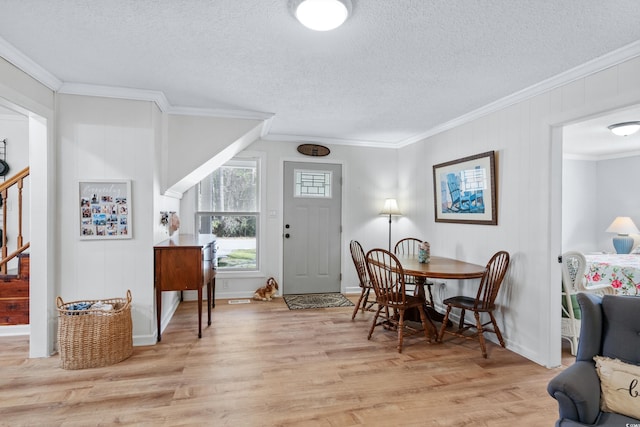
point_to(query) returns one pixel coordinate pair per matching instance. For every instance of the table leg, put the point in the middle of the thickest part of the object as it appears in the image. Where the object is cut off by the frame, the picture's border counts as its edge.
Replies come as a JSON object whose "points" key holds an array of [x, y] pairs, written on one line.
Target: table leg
{"points": [[213, 291], [158, 311], [421, 282], [209, 302], [199, 311]]}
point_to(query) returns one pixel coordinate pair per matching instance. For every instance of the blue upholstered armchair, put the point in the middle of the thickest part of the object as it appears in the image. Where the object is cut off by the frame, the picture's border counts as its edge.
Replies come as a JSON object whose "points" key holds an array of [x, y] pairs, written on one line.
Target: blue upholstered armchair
{"points": [[611, 328]]}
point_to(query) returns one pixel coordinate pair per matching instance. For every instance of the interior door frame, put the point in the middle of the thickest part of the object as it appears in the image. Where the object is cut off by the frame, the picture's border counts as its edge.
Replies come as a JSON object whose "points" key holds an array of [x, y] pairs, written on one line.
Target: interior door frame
{"points": [[556, 124], [281, 211]]}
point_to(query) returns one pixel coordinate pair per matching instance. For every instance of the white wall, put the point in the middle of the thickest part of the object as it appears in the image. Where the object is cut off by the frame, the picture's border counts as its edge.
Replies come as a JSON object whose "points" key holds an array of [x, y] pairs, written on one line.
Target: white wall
{"points": [[529, 169], [105, 138], [580, 206], [209, 142], [617, 195]]}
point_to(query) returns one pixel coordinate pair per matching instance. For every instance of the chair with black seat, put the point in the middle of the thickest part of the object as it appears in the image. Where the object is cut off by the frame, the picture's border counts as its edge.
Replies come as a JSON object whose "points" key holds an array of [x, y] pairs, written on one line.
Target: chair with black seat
{"points": [[410, 246], [484, 302], [360, 263], [387, 276]]}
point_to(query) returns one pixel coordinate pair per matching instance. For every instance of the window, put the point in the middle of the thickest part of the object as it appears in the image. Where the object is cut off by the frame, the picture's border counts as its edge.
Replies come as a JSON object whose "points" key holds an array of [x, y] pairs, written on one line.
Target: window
{"points": [[229, 207], [312, 184]]}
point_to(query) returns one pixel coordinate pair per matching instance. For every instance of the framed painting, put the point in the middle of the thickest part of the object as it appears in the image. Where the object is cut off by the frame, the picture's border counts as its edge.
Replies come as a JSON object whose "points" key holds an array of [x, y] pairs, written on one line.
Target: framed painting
{"points": [[464, 190], [105, 209]]}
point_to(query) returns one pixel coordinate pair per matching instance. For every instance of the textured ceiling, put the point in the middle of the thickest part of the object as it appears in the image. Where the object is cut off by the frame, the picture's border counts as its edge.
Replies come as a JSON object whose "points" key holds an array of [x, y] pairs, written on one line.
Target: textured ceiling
{"points": [[395, 70]]}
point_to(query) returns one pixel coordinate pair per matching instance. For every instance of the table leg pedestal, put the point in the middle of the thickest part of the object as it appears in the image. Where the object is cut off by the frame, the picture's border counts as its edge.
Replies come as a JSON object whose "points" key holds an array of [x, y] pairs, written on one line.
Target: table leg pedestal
{"points": [[421, 282]]}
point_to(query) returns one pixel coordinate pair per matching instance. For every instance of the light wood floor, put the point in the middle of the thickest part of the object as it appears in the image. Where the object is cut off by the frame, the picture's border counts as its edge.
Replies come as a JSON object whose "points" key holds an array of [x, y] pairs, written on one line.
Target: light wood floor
{"points": [[261, 364]]}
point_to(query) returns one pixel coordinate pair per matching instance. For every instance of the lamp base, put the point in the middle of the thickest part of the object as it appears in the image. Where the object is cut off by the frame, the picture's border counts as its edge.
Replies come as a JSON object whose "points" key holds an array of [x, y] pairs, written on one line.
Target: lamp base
{"points": [[623, 244]]}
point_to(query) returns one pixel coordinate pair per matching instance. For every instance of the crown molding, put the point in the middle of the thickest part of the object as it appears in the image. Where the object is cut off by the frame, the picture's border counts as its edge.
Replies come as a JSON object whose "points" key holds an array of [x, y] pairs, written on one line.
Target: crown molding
{"points": [[599, 157], [85, 89], [26, 64], [266, 126], [333, 141], [174, 194], [13, 117], [160, 99], [220, 112], [607, 60]]}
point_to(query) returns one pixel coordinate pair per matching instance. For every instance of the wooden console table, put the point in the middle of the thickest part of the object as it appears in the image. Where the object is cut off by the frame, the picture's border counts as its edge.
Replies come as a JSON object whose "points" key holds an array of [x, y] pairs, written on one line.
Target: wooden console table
{"points": [[185, 263]]}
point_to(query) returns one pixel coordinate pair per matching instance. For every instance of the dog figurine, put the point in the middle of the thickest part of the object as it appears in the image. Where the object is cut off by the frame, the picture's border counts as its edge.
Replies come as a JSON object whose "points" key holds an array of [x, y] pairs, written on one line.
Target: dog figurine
{"points": [[267, 292]]}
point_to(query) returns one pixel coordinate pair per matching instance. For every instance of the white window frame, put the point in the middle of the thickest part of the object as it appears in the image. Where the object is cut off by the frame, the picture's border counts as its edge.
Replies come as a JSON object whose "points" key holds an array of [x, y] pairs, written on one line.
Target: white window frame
{"points": [[260, 157]]}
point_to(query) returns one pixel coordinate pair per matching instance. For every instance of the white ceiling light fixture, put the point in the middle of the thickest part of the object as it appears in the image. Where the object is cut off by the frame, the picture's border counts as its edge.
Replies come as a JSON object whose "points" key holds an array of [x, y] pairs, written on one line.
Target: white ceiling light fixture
{"points": [[321, 15], [625, 129]]}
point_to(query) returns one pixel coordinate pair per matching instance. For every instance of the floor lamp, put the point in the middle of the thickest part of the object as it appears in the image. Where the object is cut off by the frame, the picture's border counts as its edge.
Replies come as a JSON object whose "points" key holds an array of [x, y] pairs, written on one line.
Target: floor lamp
{"points": [[390, 208]]}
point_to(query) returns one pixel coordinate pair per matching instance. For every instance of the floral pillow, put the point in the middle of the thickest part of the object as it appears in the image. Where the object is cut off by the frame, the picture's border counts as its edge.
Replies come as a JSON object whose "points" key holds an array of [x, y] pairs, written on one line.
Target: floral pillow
{"points": [[619, 386]]}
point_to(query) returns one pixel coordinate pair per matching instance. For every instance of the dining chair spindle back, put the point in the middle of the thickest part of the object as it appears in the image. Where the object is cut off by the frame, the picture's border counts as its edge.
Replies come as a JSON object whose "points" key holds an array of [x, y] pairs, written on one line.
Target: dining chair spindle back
{"points": [[410, 246], [359, 261]]}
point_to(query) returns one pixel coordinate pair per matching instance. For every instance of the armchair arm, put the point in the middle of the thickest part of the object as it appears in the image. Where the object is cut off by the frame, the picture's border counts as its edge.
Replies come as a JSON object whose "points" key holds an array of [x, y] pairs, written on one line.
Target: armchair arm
{"points": [[601, 289], [577, 390]]}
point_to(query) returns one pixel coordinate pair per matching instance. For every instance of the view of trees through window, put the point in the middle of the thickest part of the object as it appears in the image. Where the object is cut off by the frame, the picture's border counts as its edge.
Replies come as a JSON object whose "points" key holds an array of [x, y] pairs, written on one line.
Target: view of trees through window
{"points": [[228, 206]]}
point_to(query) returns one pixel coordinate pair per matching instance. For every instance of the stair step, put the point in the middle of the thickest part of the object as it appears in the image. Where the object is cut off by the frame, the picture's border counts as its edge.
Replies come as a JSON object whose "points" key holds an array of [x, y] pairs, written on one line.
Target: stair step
{"points": [[14, 294]]}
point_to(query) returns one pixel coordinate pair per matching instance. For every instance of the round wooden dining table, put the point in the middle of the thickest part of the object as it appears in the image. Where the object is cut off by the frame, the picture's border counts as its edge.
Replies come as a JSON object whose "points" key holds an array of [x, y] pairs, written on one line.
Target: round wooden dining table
{"points": [[440, 268]]}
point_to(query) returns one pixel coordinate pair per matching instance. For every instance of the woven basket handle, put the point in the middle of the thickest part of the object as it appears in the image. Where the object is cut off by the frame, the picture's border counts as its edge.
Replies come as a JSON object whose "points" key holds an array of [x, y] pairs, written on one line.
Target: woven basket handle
{"points": [[128, 296], [59, 302]]}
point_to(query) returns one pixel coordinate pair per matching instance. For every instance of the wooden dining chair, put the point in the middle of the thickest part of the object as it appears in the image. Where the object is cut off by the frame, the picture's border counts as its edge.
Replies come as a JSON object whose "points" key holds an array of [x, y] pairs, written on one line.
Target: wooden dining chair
{"points": [[410, 246], [360, 263], [484, 302], [387, 276], [407, 246]]}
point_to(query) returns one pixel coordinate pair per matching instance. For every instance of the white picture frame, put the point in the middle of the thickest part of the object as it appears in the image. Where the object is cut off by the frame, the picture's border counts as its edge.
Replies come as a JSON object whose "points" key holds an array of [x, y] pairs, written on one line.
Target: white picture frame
{"points": [[105, 209]]}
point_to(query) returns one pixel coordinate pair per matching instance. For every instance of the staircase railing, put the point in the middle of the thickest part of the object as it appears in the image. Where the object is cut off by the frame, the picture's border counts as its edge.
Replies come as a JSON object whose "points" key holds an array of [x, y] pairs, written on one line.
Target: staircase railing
{"points": [[16, 180]]}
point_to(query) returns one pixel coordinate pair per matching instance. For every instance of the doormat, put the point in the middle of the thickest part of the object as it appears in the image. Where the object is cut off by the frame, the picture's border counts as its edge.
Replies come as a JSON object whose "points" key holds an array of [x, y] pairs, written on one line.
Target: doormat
{"points": [[299, 302]]}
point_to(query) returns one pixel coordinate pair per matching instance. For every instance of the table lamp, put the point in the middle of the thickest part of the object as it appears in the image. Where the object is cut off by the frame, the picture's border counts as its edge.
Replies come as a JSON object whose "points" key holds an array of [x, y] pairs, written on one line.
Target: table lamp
{"points": [[390, 208], [623, 226]]}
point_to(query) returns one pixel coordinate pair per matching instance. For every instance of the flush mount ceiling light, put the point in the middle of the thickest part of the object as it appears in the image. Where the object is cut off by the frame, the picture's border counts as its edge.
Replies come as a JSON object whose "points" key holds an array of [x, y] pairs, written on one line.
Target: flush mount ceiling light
{"points": [[624, 129], [321, 15]]}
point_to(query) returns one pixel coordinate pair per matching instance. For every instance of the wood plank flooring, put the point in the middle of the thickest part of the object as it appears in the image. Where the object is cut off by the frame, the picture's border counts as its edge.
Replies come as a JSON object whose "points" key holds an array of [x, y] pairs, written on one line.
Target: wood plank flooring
{"points": [[260, 364]]}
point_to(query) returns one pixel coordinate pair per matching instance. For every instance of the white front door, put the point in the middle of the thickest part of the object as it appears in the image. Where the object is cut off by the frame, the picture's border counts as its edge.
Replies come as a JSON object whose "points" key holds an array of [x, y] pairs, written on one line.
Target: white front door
{"points": [[312, 227]]}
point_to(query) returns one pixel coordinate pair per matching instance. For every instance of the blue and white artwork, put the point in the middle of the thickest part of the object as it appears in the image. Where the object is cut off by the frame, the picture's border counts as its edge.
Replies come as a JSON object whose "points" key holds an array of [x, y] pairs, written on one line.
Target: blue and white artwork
{"points": [[464, 190]]}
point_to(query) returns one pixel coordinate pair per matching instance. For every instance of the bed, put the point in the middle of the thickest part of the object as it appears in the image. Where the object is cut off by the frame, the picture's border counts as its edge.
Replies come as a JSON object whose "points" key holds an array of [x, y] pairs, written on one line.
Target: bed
{"points": [[621, 271]]}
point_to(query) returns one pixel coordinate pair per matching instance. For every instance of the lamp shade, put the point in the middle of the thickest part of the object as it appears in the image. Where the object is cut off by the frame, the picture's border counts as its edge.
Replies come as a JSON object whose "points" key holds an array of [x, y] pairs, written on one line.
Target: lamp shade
{"points": [[390, 208], [625, 129], [623, 225], [322, 15]]}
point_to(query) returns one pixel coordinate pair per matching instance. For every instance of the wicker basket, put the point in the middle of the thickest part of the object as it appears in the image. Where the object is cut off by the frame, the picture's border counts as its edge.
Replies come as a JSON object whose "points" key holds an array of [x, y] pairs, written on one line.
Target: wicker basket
{"points": [[92, 338]]}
